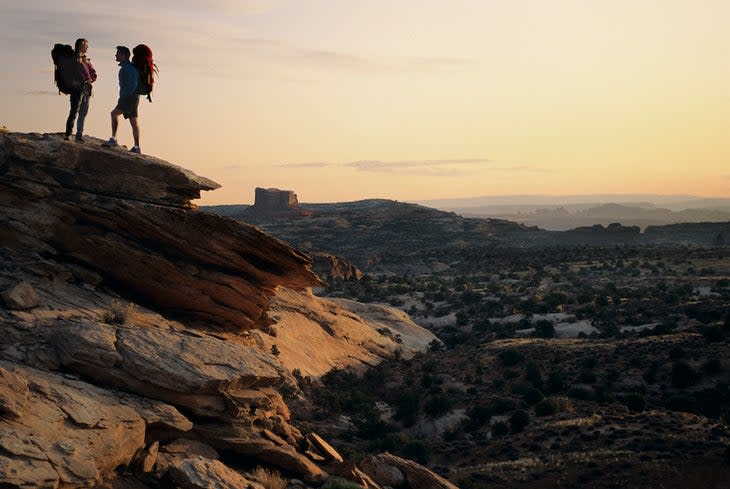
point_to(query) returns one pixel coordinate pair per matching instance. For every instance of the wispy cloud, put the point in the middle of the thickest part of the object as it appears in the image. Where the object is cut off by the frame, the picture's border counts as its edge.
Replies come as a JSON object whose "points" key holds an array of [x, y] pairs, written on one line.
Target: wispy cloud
{"points": [[43, 93], [331, 59], [447, 167]]}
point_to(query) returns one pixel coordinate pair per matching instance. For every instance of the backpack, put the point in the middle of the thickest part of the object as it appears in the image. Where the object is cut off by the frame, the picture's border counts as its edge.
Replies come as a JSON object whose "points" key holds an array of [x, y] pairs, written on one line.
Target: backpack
{"points": [[147, 69], [64, 67]]}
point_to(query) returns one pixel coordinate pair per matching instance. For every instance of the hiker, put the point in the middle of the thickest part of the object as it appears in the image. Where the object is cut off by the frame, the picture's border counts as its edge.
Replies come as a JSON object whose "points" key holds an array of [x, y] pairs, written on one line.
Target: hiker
{"points": [[82, 75], [128, 98]]}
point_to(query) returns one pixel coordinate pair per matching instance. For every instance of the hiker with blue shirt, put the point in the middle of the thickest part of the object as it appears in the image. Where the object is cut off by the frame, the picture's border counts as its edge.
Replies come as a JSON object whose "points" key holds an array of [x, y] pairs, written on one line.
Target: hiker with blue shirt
{"points": [[128, 98]]}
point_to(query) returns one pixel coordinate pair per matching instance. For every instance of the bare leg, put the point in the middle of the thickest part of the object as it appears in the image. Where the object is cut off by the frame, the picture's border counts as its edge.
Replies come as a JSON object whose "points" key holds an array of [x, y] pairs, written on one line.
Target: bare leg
{"points": [[135, 130], [115, 121]]}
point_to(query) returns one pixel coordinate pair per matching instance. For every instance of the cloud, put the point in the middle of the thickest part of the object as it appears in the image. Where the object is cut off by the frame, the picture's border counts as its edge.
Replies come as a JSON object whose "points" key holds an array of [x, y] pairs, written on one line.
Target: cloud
{"points": [[41, 92], [437, 168], [306, 165], [293, 54]]}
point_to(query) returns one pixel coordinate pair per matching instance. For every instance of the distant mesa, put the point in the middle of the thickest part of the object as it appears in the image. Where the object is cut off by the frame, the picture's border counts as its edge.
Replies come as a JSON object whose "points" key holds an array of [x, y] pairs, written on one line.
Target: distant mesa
{"points": [[275, 203]]}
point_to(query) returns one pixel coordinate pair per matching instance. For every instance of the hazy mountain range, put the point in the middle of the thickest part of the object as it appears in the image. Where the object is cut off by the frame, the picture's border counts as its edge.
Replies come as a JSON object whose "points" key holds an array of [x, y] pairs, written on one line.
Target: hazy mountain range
{"points": [[560, 213]]}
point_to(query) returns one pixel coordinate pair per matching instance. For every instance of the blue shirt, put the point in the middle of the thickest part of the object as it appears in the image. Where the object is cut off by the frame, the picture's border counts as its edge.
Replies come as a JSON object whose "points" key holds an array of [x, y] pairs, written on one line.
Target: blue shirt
{"points": [[128, 80]]}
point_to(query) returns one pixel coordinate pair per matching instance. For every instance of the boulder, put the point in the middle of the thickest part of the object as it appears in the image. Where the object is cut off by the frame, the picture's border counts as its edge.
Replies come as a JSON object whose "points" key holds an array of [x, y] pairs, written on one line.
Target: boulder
{"points": [[415, 475], [22, 296], [381, 472], [202, 473]]}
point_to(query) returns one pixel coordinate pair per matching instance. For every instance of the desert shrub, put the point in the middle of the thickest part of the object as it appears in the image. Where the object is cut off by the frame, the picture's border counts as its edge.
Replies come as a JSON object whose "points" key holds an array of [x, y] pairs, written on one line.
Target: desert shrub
{"points": [[437, 406], [555, 382], [713, 401], [500, 428], [583, 393], [374, 428], [635, 402], [275, 350], [683, 375], [270, 479], [546, 407], [650, 373], [586, 377], [510, 374], [418, 450], [533, 396], [680, 403], [510, 358], [713, 334], [712, 366], [589, 363], [119, 312], [478, 417], [677, 353], [518, 421], [544, 329], [501, 405], [533, 375], [406, 408]]}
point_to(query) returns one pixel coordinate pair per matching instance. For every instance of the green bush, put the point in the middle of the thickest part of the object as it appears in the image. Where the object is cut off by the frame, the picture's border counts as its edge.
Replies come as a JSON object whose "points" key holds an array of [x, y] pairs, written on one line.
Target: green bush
{"points": [[518, 421], [533, 396], [681, 403], [544, 329], [555, 382], [418, 450], [683, 375], [635, 402], [437, 406], [500, 428], [478, 417], [502, 405], [546, 407], [510, 358]]}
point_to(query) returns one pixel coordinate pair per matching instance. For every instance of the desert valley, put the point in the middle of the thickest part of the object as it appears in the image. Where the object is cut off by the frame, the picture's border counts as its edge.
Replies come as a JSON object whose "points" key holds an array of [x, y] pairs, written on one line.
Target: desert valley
{"points": [[374, 344]]}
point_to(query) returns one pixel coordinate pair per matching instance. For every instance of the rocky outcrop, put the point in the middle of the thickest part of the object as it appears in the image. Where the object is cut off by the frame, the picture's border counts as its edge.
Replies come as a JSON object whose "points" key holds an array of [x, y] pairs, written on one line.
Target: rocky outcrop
{"points": [[274, 203], [63, 431], [100, 391], [314, 335], [127, 218], [331, 267], [394, 471]]}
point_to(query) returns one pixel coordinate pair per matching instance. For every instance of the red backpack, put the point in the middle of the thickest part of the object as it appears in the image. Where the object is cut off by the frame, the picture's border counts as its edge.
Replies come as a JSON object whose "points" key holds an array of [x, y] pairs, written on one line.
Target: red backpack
{"points": [[147, 69]]}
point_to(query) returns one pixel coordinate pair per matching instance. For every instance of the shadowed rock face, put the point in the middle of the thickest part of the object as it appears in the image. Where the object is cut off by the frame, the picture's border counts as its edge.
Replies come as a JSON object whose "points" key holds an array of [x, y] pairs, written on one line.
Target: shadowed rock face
{"points": [[129, 218]]}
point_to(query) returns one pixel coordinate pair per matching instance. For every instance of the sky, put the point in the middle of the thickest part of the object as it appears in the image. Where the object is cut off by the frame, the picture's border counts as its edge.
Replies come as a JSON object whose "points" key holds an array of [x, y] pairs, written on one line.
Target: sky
{"points": [[341, 100]]}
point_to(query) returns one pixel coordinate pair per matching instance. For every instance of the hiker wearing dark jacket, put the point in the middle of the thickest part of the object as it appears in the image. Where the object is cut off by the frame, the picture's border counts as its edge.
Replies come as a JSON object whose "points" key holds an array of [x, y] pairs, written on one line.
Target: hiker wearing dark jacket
{"points": [[128, 98], [83, 76]]}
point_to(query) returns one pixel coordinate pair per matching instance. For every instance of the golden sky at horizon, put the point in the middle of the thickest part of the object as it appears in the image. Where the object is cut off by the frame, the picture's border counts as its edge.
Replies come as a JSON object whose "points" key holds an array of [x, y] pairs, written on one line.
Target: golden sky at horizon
{"points": [[405, 99]]}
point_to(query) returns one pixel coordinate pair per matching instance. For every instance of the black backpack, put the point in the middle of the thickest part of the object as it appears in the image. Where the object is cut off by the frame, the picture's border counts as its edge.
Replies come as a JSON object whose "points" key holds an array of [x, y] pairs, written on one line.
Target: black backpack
{"points": [[63, 67]]}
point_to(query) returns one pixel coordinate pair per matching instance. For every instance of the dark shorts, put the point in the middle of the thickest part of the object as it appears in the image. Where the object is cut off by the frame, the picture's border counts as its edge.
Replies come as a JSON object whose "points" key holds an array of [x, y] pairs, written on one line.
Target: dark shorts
{"points": [[128, 106]]}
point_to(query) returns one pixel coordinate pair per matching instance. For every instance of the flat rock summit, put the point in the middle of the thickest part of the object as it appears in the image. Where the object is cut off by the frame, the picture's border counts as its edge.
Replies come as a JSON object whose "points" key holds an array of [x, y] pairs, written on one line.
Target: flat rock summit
{"points": [[144, 343]]}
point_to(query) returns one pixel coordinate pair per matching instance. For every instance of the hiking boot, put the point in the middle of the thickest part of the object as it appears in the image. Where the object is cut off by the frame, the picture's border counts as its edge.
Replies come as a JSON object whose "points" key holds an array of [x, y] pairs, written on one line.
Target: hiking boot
{"points": [[67, 137], [110, 143], [80, 138], [135, 149]]}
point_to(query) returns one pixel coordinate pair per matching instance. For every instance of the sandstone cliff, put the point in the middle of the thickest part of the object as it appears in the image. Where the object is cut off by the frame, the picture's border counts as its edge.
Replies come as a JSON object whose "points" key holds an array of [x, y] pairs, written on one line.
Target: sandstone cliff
{"points": [[136, 332]]}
